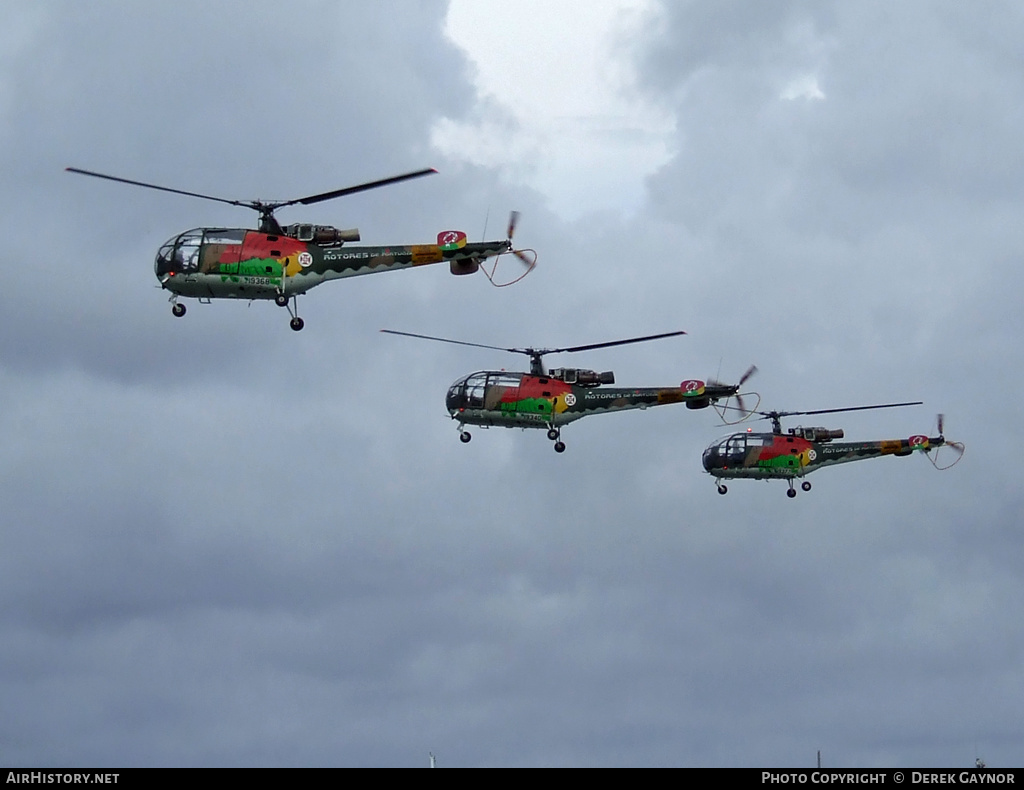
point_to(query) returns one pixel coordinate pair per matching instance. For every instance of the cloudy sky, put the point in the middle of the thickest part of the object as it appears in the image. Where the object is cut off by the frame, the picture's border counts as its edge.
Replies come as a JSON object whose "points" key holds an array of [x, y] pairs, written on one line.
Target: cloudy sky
{"points": [[229, 544]]}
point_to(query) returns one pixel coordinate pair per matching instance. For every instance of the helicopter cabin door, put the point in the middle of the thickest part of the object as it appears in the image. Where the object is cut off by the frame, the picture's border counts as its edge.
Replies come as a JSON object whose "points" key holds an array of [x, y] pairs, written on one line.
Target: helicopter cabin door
{"points": [[221, 251], [502, 392]]}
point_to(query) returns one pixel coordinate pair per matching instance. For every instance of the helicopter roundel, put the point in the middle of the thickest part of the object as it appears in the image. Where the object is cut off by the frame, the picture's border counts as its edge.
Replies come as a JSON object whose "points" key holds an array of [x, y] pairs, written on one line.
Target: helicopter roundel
{"points": [[692, 387], [570, 399], [451, 239], [305, 260], [918, 440]]}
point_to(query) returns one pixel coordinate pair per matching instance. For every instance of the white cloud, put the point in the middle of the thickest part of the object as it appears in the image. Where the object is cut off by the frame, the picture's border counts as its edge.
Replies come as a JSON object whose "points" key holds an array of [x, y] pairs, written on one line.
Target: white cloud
{"points": [[557, 107], [804, 87]]}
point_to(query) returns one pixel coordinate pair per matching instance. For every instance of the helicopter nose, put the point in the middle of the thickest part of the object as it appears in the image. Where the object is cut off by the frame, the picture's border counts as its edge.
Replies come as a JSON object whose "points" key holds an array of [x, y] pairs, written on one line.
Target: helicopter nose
{"points": [[163, 260], [179, 254], [165, 264]]}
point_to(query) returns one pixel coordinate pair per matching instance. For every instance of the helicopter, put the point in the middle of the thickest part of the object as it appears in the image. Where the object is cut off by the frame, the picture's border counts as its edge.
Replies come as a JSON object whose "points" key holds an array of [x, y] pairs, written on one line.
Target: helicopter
{"points": [[800, 451], [549, 399], [280, 262]]}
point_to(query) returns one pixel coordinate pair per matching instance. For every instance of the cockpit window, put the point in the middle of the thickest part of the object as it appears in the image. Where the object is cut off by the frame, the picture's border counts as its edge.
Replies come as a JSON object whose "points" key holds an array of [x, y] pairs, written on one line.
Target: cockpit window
{"points": [[736, 448], [180, 254], [224, 236], [165, 257], [503, 380], [476, 386], [186, 253]]}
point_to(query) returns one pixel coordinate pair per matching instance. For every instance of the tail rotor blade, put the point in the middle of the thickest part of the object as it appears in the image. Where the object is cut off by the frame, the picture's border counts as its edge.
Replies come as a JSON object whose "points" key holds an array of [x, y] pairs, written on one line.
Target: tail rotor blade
{"points": [[524, 256], [957, 449], [513, 220]]}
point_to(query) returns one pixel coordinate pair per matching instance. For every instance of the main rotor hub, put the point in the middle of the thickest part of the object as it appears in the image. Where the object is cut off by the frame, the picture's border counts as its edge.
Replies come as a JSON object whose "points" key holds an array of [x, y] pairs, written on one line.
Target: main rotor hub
{"points": [[268, 222]]}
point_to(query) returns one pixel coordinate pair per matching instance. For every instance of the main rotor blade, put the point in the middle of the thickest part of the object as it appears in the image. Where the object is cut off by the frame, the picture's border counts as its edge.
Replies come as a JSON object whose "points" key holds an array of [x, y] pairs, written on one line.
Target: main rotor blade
{"points": [[833, 411], [614, 343], [257, 204], [162, 189], [360, 188], [532, 352], [446, 340]]}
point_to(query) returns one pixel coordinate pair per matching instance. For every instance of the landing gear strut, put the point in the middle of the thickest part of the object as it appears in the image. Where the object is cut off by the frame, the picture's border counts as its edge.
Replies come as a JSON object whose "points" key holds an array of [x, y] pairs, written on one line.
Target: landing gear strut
{"points": [[176, 308], [554, 435], [792, 491], [281, 300]]}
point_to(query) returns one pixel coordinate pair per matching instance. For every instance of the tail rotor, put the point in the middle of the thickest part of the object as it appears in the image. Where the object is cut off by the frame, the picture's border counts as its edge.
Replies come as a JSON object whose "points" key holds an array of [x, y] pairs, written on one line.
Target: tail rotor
{"points": [[527, 257], [734, 392], [739, 395], [956, 448]]}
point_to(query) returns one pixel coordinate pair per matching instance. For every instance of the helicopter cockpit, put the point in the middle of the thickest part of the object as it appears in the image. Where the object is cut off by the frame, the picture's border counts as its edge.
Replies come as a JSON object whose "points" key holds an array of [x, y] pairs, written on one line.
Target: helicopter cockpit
{"points": [[182, 253], [730, 451], [467, 392], [482, 390]]}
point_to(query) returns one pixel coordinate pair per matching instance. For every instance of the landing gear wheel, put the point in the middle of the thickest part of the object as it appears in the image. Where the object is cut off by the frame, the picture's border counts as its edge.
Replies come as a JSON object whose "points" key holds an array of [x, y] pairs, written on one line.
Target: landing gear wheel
{"points": [[552, 434], [297, 323], [791, 493], [465, 436], [723, 490], [806, 485], [281, 300], [559, 447], [178, 309]]}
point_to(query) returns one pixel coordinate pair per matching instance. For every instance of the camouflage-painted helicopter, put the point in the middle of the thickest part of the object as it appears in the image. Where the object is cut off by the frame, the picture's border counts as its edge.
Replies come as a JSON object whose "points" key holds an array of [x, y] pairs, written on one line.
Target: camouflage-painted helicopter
{"points": [[552, 398], [280, 262], [800, 451]]}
